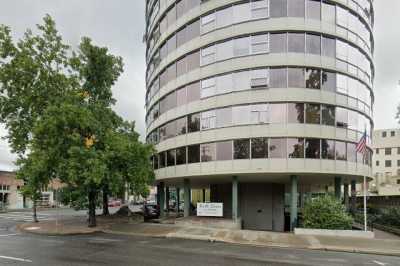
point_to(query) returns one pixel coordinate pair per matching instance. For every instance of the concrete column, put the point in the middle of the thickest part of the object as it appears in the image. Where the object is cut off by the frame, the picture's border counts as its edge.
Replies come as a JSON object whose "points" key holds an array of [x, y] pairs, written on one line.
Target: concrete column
{"points": [[235, 205], [338, 185], [204, 195], [167, 198], [346, 195], [186, 197], [178, 199], [293, 202], [353, 197], [161, 192]]}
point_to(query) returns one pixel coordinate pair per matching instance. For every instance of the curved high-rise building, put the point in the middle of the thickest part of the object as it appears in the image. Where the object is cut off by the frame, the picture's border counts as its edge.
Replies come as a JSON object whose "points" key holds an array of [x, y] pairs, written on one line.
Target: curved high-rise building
{"points": [[260, 102]]}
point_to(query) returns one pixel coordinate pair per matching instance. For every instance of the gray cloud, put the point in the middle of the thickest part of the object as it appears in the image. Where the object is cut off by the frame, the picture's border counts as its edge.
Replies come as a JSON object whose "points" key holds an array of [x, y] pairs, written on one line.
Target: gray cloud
{"points": [[119, 25]]}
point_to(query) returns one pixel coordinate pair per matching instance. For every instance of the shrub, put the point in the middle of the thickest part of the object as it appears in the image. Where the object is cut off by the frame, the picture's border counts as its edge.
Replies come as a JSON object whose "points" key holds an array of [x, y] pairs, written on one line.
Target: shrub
{"points": [[389, 216], [326, 212]]}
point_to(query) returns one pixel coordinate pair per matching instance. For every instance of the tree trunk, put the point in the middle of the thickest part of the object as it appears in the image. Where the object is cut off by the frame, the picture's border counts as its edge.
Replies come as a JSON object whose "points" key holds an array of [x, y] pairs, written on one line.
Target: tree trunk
{"points": [[92, 208], [105, 202], [34, 211]]}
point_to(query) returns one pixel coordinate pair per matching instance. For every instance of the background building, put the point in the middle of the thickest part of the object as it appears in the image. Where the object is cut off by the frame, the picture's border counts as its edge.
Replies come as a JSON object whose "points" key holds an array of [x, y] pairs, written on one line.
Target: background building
{"points": [[259, 102]]}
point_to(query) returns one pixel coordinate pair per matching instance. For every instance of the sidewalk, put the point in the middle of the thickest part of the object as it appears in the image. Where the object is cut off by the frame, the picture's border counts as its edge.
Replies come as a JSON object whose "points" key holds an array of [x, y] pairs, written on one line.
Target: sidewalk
{"points": [[135, 227]]}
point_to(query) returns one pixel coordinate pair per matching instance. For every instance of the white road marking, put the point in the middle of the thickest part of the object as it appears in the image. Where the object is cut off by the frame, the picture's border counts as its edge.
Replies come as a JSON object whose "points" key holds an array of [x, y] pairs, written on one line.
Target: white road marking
{"points": [[380, 263], [8, 235], [15, 259]]}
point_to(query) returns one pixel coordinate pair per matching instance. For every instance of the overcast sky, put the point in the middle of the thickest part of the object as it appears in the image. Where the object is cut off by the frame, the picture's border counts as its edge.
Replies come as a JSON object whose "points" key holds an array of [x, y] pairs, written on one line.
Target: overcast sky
{"points": [[119, 25]]}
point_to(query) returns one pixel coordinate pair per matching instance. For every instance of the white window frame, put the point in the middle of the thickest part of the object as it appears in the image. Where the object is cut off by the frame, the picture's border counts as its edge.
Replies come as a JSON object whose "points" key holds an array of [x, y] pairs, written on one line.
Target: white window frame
{"points": [[255, 42], [257, 6]]}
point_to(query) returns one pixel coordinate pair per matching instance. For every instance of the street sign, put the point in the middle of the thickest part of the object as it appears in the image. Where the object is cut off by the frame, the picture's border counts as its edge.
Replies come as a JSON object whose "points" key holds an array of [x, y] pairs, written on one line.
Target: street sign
{"points": [[210, 209]]}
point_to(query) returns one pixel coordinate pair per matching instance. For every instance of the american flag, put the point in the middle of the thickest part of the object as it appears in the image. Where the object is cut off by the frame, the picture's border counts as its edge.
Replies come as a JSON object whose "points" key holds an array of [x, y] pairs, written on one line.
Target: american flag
{"points": [[362, 144]]}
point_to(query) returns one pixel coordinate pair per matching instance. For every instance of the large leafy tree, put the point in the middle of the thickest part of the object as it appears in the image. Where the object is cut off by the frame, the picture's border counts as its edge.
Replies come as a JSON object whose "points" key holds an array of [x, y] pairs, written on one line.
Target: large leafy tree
{"points": [[34, 74]]}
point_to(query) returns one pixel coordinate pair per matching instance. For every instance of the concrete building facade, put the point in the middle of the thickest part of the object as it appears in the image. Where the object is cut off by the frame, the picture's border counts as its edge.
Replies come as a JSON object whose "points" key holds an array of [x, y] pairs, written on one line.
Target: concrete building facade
{"points": [[260, 102]]}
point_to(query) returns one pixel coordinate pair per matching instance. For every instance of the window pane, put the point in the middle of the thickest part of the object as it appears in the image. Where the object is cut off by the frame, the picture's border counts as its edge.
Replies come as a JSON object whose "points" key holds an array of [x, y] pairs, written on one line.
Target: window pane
{"points": [[208, 55], [328, 47], [314, 9], [278, 8], [224, 84], [162, 159], [224, 50], [259, 79], [277, 148], [170, 130], [193, 123], [193, 92], [193, 30], [259, 9], [208, 120], [328, 149], [277, 113], [296, 8], [224, 117], [208, 23], [278, 77], [295, 113], [181, 96], [181, 126], [193, 61], [328, 81], [224, 17], [295, 148], [259, 114], [259, 148], [313, 113], [351, 152], [241, 46], [328, 115], [241, 81], [171, 158], [313, 44], [181, 156], [171, 16], [207, 152], [313, 148], [259, 44], [296, 42], [208, 87], [181, 37], [224, 150], [278, 42], [328, 13], [171, 44], [341, 117], [241, 148], [194, 154], [313, 78], [181, 67], [341, 153], [241, 12], [241, 115], [296, 78]]}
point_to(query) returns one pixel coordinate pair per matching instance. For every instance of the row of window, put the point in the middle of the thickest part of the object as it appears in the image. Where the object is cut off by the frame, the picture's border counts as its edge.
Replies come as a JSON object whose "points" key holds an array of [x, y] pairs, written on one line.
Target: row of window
{"points": [[388, 151], [269, 43], [388, 163], [263, 113], [261, 148], [264, 78], [392, 134], [255, 10]]}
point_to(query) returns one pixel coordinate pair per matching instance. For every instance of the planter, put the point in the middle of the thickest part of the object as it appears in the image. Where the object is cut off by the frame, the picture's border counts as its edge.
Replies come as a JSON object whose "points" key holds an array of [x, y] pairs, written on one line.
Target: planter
{"points": [[335, 233]]}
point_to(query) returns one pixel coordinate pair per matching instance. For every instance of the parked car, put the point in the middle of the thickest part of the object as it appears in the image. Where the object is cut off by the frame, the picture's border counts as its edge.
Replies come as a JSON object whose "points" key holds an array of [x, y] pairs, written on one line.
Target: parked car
{"points": [[151, 211], [114, 203]]}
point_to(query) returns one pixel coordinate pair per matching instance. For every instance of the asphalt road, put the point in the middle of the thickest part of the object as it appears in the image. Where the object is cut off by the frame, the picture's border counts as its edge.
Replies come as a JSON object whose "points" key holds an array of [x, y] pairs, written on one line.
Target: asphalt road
{"points": [[105, 249]]}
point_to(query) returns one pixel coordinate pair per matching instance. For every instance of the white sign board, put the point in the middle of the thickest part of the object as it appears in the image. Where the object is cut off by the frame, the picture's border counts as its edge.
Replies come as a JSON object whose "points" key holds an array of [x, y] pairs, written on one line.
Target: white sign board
{"points": [[210, 209]]}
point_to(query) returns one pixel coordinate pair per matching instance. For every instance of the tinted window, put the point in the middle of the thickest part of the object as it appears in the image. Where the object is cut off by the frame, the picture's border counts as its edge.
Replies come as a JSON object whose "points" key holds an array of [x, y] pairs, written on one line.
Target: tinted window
{"points": [[314, 9], [181, 96], [278, 42], [328, 115], [162, 159], [328, 149], [351, 152], [193, 92], [181, 156], [224, 117], [277, 148], [341, 153], [313, 113], [313, 44], [224, 150], [328, 81], [278, 77], [296, 78], [277, 113], [241, 148], [278, 8], [171, 158], [193, 61], [328, 13], [313, 148], [181, 126], [193, 123], [341, 117], [313, 78], [295, 148], [296, 8], [296, 43], [194, 154], [328, 47], [295, 113], [207, 152], [259, 148]]}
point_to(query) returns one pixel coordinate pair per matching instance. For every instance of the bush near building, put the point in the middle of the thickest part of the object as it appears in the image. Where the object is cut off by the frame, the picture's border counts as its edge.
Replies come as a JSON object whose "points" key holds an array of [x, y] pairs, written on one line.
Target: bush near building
{"points": [[326, 212]]}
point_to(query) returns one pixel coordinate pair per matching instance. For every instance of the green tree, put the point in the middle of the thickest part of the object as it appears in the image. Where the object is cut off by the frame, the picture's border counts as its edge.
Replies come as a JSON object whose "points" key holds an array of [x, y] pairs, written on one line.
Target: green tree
{"points": [[326, 212], [32, 77]]}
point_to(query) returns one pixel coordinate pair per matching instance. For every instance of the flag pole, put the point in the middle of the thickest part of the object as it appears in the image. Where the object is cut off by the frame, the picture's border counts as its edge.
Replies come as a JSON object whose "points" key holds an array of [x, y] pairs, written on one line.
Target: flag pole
{"points": [[365, 182]]}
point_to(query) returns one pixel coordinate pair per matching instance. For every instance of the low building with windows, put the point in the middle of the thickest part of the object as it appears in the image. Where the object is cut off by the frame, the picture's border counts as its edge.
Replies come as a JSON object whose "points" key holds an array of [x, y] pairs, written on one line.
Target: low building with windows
{"points": [[386, 163], [261, 103]]}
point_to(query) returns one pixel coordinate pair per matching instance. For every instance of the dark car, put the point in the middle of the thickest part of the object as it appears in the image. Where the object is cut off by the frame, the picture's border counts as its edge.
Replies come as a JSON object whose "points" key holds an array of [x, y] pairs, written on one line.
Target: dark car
{"points": [[151, 211]]}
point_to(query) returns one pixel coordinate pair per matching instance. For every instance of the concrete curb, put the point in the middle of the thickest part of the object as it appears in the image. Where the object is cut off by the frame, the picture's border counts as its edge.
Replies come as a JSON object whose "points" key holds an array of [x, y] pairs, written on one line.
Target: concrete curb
{"points": [[20, 228]]}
